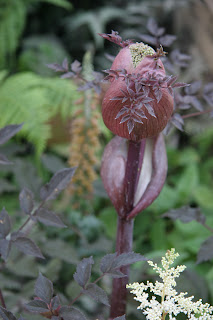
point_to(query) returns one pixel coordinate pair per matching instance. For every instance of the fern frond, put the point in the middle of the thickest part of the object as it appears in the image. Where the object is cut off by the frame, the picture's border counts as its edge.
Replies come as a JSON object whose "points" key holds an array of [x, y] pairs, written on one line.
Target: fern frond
{"points": [[61, 3], [29, 98], [12, 21]]}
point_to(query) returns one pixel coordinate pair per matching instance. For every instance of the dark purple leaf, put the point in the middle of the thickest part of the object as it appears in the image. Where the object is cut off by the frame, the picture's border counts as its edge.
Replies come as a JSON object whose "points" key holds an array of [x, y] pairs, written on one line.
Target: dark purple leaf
{"points": [[177, 124], [59, 182], [116, 274], [55, 303], [178, 117], [56, 67], [37, 306], [5, 224], [4, 160], [206, 251], [68, 75], [43, 288], [171, 80], [148, 39], [6, 315], [112, 261], [26, 200], [9, 131], [120, 318], [130, 125], [208, 93], [180, 85], [193, 88], [5, 246], [183, 106], [65, 64], [49, 218], [97, 293], [185, 214], [158, 95], [150, 109], [125, 118], [83, 271], [152, 26], [196, 104], [167, 40], [121, 112], [70, 313], [140, 113], [76, 67], [28, 247]]}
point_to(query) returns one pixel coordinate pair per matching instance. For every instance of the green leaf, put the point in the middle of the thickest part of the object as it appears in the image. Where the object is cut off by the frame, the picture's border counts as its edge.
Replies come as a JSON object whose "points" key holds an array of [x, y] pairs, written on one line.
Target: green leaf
{"points": [[61, 3], [187, 183], [204, 196]]}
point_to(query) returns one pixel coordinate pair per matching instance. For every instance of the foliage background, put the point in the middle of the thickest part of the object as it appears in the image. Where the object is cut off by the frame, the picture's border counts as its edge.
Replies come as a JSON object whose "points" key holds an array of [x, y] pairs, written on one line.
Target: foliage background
{"points": [[34, 33]]}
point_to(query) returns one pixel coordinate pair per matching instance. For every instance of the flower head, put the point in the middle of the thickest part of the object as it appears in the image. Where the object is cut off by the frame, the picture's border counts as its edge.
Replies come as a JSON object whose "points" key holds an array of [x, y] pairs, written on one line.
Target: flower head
{"points": [[171, 303]]}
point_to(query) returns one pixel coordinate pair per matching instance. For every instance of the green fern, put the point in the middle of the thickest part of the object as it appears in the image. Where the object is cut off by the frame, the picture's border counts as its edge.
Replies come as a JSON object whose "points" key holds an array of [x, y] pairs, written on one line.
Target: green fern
{"points": [[29, 98], [12, 22]]}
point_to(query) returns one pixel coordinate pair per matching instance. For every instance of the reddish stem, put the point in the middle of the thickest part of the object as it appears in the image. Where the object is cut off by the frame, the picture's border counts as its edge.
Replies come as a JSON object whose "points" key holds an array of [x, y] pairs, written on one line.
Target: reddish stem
{"points": [[196, 114], [119, 291], [125, 227]]}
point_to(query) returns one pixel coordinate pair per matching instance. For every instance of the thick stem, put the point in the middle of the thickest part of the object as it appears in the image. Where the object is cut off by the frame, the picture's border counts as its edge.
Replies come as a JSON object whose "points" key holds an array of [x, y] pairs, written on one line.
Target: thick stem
{"points": [[119, 291]]}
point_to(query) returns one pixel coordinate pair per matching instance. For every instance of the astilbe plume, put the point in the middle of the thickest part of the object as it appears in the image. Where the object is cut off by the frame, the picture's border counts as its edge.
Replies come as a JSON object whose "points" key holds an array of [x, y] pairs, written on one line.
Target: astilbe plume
{"points": [[84, 135], [171, 302]]}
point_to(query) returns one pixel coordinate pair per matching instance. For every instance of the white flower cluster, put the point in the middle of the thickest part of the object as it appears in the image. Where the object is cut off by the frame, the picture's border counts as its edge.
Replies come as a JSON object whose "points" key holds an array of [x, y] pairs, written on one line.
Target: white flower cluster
{"points": [[170, 303]]}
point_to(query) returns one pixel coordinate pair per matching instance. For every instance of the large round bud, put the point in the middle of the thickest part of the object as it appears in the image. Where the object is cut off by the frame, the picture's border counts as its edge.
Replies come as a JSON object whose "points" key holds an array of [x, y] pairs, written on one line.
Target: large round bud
{"points": [[137, 104]]}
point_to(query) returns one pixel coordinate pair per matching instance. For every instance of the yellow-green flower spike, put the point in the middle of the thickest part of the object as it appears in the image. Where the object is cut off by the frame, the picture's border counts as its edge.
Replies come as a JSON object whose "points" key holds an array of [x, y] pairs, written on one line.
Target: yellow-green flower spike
{"points": [[139, 50]]}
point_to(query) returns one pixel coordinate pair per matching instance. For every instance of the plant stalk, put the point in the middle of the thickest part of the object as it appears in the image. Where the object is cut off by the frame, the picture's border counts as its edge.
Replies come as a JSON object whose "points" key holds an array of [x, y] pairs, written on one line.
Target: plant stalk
{"points": [[2, 300], [124, 237]]}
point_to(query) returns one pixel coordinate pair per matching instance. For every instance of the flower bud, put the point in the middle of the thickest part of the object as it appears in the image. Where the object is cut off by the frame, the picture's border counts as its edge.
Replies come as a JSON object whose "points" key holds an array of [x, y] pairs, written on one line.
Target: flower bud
{"points": [[152, 174], [137, 104]]}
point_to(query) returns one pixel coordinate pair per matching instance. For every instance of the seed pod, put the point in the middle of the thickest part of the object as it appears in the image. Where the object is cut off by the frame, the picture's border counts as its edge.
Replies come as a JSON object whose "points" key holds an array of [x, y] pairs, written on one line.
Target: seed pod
{"points": [[137, 104]]}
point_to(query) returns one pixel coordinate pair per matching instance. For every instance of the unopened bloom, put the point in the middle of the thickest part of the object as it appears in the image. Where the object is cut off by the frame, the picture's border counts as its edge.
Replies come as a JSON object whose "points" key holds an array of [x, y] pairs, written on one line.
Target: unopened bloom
{"points": [[139, 101], [171, 303]]}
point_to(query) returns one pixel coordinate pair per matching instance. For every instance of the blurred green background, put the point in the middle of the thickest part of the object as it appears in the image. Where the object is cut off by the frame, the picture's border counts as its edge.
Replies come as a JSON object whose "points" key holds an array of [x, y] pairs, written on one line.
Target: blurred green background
{"points": [[34, 33]]}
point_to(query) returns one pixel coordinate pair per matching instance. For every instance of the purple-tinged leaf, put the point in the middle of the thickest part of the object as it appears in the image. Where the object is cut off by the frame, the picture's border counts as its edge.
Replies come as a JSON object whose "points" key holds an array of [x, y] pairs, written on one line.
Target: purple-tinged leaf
{"points": [[5, 246], [83, 271], [76, 67], [180, 85], [123, 317], [150, 110], [206, 251], [178, 117], [43, 288], [49, 218], [5, 224], [65, 64], [67, 75], [160, 32], [28, 247], [152, 26], [136, 119], [171, 80], [125, 118], [37, 306], [4, 160], [55, 303], [177, 124], [193, 88], [167, 40], [9, 131], [185, 214], [117, 98], [130, 125], [112, 261], [59, 182], [6, 315], [196, 104], [116, 274], [26, 200], [148, 39], [56, 67], [208, 93], [183, 106], [70, 313], [158, 95], [121, 112], [140, 113], [96, 293]]}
